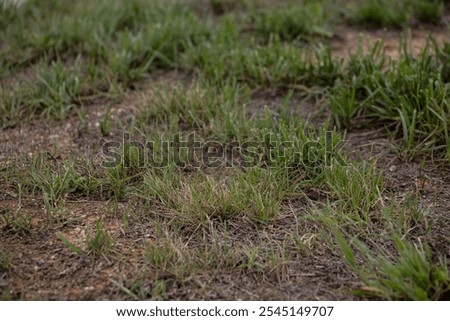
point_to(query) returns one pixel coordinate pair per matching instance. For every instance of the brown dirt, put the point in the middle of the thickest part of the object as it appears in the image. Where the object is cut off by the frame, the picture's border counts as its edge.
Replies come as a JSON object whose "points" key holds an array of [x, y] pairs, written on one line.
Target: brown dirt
{"points": [[346, 40], [44, 268]]}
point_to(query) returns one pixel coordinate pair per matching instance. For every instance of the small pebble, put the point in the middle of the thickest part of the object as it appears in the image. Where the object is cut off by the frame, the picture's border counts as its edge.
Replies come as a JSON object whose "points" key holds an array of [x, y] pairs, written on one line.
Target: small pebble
{"points": [[393, 168]]}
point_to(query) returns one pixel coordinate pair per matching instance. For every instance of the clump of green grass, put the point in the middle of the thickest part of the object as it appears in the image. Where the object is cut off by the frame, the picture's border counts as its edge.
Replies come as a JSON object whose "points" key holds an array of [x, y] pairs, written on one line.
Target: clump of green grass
{"points": [[428, 11], [160, 255], [56, 182], [256, 193], [443, 57], [408, 275], [99, 242], [57, 89], [54, 92], [354, 198], [106, 123], [276, 64], [54, 185], [264, 192], [116, 181], [11, 107], [207, 109], [157, 46], [170, 254], [406, 217], [299, 150], [5, 261], [380, 13], [290, 22], [346, 98], [16, 222], [159, 290], [125, 170], [410, 94], [396, 14], [356, 189], [344, 105]]}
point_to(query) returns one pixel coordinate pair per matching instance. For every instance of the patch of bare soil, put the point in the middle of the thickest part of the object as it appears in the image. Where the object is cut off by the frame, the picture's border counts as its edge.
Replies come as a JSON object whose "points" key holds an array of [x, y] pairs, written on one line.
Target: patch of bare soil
{"points": [[309, 109], [44, 268], [346, 40]]}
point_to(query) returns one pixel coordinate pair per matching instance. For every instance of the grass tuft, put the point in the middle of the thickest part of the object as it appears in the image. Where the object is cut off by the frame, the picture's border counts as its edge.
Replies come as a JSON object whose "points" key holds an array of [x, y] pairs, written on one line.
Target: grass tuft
{"points": [[380, 13], [5, 261], [409, 275], [99, 242], [292, 22]]}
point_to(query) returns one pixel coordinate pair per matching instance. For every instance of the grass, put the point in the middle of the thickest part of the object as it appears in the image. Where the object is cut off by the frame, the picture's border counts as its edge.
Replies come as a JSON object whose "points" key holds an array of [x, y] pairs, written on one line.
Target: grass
{"points": [[396, 14], [56, 181], [292, 22], [380, 13], [411, 94], [256, 193], [155, 47], [17, 222], [209, 110], [99, 241], [275, 64], [53, 185], [5, 261], [55, 28], [120, 52], [53, 93], [428, 11], [265, 195], [410, 275]]}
